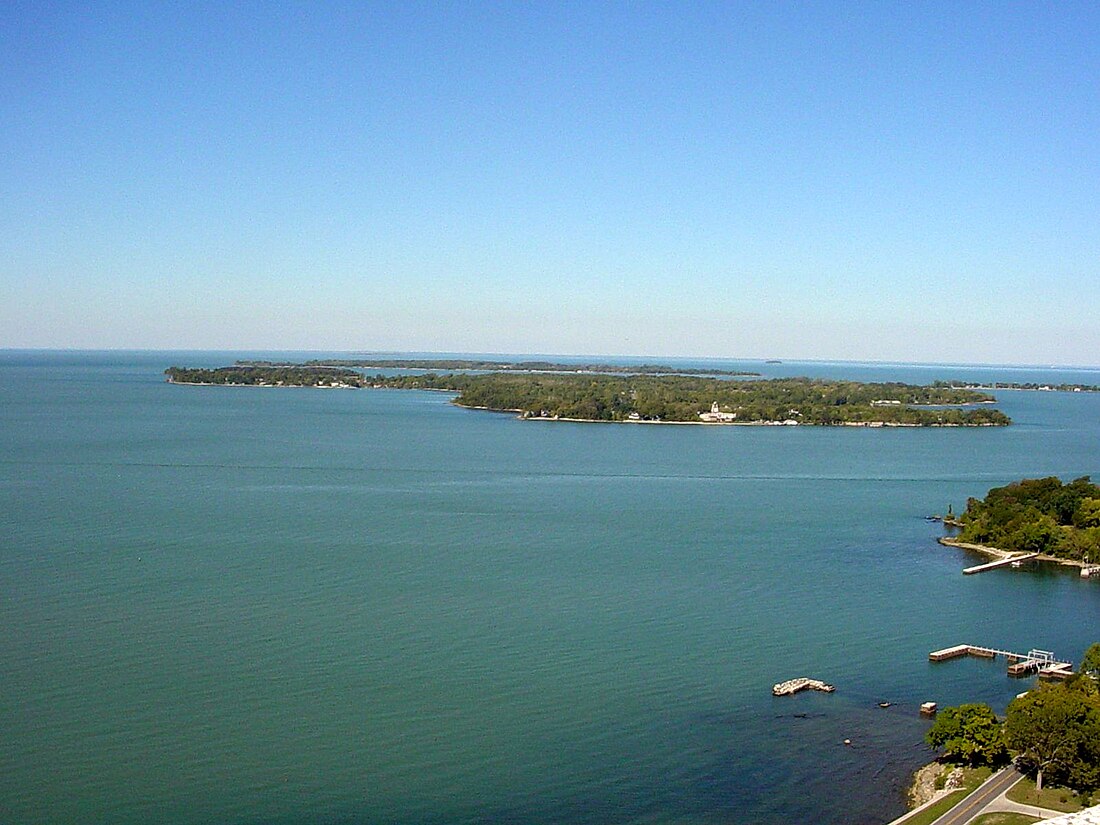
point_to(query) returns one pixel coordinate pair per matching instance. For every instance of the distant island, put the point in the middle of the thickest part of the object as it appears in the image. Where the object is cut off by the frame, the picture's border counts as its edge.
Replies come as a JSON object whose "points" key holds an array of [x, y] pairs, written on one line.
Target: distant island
{"points": [[1039, 515], [459, 364], [1007, 385], [268, 376], [665, 398]]}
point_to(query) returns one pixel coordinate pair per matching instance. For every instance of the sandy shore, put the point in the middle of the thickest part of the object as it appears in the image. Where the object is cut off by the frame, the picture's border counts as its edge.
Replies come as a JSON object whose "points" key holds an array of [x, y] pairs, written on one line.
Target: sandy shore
{"points": [[997, 553]]}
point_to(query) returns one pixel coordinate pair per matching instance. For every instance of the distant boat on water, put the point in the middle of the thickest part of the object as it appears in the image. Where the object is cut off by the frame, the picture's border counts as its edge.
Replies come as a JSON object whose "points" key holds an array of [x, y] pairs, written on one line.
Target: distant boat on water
{"points": [[773, 361]]}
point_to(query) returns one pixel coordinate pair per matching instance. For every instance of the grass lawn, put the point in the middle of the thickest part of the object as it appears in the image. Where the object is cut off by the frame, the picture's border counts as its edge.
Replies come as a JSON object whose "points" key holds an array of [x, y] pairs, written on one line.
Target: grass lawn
{"points": [[1056, 799], [938, 809], [973, 777], [1004, 818]]}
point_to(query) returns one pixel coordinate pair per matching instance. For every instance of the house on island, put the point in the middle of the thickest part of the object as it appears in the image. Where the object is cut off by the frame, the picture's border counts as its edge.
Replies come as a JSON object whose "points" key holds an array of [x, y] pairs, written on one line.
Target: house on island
{"points": [[716, 416]]}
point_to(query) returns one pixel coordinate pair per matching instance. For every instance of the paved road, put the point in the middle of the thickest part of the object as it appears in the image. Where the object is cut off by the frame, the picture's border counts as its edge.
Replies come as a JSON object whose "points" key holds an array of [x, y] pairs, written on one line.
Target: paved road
{"points": [[973, 804]]}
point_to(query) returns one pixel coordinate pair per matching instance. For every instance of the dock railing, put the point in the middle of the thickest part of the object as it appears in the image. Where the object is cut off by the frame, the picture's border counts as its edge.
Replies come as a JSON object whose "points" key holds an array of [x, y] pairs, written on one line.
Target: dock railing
{"points": [[1020, 664]]}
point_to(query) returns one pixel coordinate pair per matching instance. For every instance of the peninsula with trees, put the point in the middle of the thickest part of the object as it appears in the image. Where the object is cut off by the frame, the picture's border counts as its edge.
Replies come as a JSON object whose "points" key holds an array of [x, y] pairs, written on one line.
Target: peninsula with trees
{"points": [[645, 398], [1038, 515]]}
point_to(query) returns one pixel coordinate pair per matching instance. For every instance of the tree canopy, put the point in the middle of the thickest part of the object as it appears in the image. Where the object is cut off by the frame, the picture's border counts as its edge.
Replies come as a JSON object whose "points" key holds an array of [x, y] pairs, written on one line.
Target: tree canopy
{"points": [[1090, 662], [969, 734], [1056, 729]]}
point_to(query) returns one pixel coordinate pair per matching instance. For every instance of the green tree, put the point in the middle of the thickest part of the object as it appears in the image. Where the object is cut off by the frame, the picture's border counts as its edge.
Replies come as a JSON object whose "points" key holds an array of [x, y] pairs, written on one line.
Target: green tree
{"points": [[1087, 513], [1090, 662], [1035, 536], [1055, 728], [968, 734]]}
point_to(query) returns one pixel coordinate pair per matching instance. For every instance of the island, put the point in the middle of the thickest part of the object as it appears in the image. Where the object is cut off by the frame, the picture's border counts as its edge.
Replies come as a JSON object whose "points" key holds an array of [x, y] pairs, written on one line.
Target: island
{"points": [[477, 365], [1059, 521], [634, 398], [1011, 385], [288, 375]]}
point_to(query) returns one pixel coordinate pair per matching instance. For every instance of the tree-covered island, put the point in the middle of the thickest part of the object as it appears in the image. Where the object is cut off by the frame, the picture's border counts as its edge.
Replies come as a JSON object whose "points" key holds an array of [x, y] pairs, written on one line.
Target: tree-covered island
{"points": [[288, 375], [481, 365], [670, 398], [1039, 515]]}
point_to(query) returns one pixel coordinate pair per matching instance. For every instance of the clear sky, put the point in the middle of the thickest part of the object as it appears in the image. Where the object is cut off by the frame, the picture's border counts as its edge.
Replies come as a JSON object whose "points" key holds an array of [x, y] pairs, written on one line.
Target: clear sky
{"points": [[887, 180]]}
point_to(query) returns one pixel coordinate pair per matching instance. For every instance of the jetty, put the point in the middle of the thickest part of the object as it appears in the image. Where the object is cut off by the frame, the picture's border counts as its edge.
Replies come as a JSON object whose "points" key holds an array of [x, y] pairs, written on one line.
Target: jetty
{"points": [[792, 686], [1014, 561], [1043, 662]]}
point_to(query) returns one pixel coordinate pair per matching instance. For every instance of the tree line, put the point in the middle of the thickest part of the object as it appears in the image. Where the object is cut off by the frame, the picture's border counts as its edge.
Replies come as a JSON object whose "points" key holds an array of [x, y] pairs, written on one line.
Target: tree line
{"points": [[1015, 385], [456, 364], [267, 376]]}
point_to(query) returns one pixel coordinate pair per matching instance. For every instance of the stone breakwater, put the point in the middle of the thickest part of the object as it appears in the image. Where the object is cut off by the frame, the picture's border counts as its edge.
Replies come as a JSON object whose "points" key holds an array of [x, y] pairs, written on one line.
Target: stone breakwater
{"points": [[792, 686]]}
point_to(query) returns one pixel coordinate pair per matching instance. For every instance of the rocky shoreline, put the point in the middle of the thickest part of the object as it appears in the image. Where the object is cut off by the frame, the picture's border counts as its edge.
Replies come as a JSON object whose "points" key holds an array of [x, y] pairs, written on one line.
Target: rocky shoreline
{"points": [[997, 553], [923, 788]]}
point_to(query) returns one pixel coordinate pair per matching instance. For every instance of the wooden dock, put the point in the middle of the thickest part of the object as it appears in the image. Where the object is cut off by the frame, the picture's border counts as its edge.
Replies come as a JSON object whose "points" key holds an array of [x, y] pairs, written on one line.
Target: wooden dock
{"points": [[1024, 668], [1042, 662], [1005, 562], [1062, 670], [949, 653]]}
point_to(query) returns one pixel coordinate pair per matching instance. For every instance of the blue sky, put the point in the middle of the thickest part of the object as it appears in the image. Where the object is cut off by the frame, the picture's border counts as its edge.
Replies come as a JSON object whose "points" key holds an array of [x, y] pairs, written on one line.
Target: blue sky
{"points": [[892, 181]]}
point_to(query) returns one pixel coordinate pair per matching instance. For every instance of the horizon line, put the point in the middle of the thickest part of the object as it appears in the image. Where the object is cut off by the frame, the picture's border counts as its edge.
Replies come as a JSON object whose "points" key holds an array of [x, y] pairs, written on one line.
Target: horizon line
{"points": [[485, 354]]}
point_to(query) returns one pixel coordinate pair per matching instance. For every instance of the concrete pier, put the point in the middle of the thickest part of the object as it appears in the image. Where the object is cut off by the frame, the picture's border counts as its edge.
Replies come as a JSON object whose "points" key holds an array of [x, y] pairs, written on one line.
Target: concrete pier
{"points": [[993, 565]]}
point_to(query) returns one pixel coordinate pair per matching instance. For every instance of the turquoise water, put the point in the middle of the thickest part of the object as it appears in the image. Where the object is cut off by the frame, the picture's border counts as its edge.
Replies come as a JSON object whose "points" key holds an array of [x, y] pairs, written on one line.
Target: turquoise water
{"points": [[244, 605]]}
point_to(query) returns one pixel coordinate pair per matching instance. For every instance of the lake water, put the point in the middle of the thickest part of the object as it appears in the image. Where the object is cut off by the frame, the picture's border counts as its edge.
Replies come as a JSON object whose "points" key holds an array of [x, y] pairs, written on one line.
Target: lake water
{"points": [[238, 605]]}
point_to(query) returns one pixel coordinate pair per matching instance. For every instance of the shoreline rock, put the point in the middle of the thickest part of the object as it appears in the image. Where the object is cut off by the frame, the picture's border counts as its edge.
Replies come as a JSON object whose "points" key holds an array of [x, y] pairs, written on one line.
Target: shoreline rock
{"points": [[922, 788]]}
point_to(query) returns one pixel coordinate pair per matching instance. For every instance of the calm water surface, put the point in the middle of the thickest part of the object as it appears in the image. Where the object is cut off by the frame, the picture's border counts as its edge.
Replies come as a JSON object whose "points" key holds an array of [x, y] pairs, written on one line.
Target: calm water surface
{"points": [[240, 605]]}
